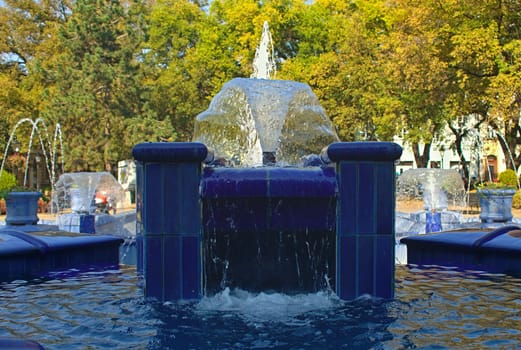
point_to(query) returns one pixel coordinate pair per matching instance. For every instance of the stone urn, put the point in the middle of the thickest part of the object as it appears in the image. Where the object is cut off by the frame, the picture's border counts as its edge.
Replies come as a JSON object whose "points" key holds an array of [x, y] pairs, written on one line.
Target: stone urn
{"points": [[496, 204]]}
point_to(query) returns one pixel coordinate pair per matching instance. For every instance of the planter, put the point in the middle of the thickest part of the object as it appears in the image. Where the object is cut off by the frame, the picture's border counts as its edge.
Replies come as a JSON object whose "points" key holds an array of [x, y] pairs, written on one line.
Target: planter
{"points": [[496, 204], [22, 208]]}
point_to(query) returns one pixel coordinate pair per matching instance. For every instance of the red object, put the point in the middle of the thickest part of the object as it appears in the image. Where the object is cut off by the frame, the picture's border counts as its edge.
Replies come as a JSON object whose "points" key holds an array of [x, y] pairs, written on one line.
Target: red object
{"points": [[100, 198]]}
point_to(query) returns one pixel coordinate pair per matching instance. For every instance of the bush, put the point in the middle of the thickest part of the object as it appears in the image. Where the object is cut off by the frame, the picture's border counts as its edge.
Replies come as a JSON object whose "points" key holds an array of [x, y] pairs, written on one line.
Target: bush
{"points": [[7, 182], [508, 177], [516, 200]]}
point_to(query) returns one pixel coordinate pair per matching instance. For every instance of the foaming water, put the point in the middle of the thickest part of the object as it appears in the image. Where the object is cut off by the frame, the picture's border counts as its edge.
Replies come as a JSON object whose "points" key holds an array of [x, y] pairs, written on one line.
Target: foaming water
{"points": [[260, 308], [433, 308]]}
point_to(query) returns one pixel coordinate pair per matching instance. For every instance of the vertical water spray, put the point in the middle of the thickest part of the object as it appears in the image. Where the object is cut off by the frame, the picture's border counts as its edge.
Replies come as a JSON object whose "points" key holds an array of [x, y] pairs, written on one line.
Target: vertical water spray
{"points": [[264, 62], [49, 150], [260, 121]]}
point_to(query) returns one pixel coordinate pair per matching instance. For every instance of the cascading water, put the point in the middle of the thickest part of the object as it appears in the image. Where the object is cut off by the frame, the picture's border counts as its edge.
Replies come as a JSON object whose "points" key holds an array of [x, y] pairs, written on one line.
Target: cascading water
{"points": [[258, 121], [250, 118]]}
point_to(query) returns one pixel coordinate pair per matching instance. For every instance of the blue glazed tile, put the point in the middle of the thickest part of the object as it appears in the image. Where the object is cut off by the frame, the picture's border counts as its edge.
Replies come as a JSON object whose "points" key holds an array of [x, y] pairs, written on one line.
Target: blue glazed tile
{"points": [[191, 220], [386, 198], [87, 224], [139, 196], [153, 210], [364, 150], [385, 266], [173, 272], [191, 262], [139, 254], [269, 181], [366, 198], [175, 195], [346, 273], [170, 152], [365, 265], [181, 198], [4, 269], [347, 210], [153, 267], [18, 266], [366, 254]]}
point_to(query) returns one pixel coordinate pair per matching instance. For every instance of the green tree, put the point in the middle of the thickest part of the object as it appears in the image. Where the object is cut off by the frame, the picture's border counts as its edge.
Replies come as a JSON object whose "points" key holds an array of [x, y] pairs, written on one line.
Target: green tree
{"points": [[479, 45], [340, 56], [97, 83], [176, 80], [28, 37]]}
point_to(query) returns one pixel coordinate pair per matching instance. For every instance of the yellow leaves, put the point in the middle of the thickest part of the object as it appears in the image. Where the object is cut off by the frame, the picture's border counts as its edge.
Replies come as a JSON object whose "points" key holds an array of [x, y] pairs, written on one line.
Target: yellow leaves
{"points": [[476, 51]]}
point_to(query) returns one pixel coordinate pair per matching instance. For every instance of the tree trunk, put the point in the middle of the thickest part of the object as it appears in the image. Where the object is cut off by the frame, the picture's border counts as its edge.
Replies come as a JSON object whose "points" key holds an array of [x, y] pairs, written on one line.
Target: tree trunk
{"points": [[422, 160], [508, 143]]}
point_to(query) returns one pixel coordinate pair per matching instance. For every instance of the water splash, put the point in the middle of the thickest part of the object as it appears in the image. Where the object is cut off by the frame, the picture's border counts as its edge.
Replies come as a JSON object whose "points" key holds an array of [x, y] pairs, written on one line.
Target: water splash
{"points": [[251, 117], [264, 62], [438, 188], [255, 308], [76, 191], [259, 121], [49, 150]]}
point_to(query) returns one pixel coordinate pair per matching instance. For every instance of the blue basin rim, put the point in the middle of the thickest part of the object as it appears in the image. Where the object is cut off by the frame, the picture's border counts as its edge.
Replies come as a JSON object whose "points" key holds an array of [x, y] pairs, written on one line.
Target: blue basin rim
{"points": [[495, 240], [170, 152], [494, 233], [268, 182], [364, 151], [42, 246], [47, 244]]}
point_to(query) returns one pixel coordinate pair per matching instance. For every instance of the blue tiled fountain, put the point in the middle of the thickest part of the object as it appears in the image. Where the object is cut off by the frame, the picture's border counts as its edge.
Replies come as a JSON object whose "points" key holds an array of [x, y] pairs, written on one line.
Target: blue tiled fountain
{"points": [[266, 199], [30, 250]]}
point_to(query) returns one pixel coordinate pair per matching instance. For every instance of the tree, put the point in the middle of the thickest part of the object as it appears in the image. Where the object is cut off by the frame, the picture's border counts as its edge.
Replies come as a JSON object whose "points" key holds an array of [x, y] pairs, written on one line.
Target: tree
{"points": [[418, 75], [177, 80], [340, 55], [26, 29], [97, 80], [481, 40]]}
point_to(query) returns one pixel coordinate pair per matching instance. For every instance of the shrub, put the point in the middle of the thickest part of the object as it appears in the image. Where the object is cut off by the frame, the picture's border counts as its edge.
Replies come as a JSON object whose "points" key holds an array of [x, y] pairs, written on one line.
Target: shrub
{"points": [[7, 182], [516, 200], [508, 177]]}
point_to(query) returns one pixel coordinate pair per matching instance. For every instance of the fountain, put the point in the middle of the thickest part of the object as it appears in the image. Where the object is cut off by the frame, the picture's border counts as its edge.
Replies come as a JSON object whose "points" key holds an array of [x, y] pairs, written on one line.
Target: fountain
{"points": [[30, 250], [77, 197], [440, 190], [49, 149], [463, 244], [258, 121], [280, 205]]}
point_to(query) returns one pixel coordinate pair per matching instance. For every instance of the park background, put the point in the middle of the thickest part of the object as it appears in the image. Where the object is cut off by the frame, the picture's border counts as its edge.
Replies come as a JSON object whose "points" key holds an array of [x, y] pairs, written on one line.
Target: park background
{"points": [[439, 77]]}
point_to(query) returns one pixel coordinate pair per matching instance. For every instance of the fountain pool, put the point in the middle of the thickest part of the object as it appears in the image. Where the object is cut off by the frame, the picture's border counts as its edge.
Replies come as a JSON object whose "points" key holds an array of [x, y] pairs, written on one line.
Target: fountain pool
{"points": [[432, 308]]}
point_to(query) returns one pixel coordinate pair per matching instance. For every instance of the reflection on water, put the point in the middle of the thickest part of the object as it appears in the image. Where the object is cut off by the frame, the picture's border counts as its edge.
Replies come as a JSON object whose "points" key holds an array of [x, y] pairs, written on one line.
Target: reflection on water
{"points": [[434, 307]]}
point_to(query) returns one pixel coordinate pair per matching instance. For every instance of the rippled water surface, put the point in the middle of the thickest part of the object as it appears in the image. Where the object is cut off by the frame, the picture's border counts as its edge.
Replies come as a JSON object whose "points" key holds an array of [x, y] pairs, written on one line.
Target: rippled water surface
{"points": [[434, 308]]}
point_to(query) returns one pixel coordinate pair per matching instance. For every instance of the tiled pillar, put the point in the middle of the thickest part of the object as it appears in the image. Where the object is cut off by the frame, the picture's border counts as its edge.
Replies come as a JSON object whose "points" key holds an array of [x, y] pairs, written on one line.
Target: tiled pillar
{"points": [[169, 218], [365, 217]]}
